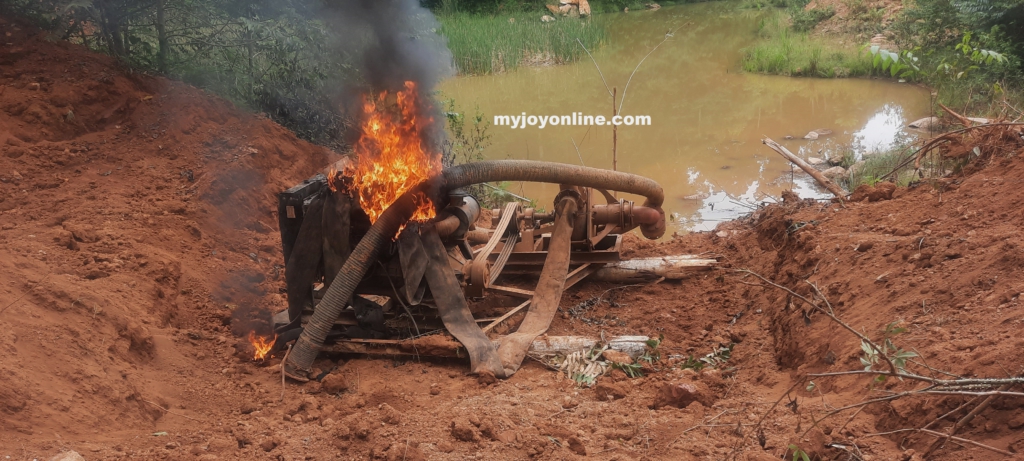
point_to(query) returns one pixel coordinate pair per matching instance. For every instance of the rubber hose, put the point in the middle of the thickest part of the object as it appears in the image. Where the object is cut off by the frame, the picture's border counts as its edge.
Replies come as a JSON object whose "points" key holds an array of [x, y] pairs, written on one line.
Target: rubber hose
{"points": [[447, 226], [555, 173], [306, 348]]}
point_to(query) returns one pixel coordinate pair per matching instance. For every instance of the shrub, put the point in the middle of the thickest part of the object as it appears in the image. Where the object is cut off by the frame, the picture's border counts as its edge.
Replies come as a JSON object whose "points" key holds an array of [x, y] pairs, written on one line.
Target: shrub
{"points": [[806, 20]]}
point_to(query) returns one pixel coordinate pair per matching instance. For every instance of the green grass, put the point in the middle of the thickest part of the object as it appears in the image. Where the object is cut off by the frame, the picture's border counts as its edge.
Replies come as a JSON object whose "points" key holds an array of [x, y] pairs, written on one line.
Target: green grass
{"points": [[877, 165], [782, 51], [494, 44]]}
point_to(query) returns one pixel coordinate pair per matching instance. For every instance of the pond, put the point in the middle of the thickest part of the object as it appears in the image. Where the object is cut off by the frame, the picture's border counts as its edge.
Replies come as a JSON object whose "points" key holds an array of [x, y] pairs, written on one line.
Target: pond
{"points": [[707, 116]]}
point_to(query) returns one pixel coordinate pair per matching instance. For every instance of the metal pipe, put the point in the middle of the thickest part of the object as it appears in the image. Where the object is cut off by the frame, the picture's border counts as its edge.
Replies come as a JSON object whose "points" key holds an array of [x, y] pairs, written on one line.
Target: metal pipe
{"points": [[306, 348]]}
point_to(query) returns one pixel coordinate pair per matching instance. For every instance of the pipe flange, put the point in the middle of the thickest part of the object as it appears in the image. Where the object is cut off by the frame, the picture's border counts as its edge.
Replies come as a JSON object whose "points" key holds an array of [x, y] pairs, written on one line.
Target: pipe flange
{"points": [[574, 194]]}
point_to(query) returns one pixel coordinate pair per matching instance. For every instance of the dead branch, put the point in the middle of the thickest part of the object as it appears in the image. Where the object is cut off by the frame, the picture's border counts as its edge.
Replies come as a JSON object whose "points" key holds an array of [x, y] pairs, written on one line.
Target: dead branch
{"points": [[875, 347], [964, 421], [850, 420], [950, 413], [960, 118], [975, 393], [928, 145], [820, 178], [939, 434], [963, 382]]}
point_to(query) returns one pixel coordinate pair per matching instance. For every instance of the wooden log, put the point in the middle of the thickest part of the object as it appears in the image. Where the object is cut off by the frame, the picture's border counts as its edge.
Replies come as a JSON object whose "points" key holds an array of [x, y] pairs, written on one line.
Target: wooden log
{"points": [[555, 345], [820, 178], [446, 347], [965, 121], [647, 269]]}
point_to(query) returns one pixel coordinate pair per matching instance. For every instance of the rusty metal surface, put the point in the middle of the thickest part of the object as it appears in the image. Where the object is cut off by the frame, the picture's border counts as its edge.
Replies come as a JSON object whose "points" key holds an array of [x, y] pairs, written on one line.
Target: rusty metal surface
{"points": [[301, 268], [452, 306], [545, 300], [523, 241]]}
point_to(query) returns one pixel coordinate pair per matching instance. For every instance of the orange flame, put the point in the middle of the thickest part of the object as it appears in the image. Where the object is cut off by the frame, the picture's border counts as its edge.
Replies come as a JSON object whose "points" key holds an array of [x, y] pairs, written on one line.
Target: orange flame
{"points": [[393, 156], [261, 345], [331, 176]]}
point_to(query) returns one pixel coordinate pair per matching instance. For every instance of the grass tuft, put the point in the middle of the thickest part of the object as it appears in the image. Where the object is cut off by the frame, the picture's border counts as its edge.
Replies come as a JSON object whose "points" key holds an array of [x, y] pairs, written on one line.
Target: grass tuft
{"points": [[783, 51], [494, 44], [872, 168]]}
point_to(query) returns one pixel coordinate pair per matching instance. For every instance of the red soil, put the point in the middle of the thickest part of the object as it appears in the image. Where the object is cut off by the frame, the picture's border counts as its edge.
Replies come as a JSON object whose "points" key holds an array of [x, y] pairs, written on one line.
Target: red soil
{"points": [[118, 276]]}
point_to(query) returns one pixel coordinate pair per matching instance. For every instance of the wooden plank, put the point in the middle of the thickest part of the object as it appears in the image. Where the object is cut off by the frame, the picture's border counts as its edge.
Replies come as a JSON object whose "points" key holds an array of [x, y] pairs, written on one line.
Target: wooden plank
{"points": [[510, 291], [573, 278]]}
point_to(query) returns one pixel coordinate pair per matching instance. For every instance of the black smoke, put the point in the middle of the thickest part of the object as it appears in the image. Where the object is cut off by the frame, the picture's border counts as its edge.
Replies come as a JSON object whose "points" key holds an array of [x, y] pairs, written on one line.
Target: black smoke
{"points": [[392, 42]]}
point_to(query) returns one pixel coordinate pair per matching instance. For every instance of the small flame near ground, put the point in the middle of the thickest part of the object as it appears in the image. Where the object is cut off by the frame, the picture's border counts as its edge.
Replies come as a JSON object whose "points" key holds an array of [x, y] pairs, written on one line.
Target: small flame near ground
{"points": [[261, 345], [393, 153]]}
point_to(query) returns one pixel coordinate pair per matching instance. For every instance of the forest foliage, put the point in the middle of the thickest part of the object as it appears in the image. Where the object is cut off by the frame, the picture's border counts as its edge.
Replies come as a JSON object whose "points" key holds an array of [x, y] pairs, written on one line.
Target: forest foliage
{"points": [[971, 52], [273, 57], [285, 59]]}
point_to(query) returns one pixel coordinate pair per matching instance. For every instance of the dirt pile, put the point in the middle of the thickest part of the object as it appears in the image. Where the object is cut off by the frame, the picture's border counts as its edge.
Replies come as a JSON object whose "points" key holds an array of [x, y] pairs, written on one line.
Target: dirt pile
{"points": [[134, 209], [138, 213]]}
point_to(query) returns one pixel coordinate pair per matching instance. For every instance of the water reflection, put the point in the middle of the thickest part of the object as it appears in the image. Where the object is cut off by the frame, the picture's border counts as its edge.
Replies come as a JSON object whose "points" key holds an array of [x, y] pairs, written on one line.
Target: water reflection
{"points": [[708, 117], [883, 131]]}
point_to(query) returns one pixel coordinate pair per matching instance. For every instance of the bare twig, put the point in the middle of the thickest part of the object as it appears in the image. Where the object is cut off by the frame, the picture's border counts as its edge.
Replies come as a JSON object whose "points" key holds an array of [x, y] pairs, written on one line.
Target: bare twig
{"points": [[975, 393], [601, 296], [823, 298], [668, 35], [24, 295], [171, 412], [1014, 108], [850, 420], [951, 412], [520, 197], [283, 361], [578, 154], [606, 87], [765, 415], [935, 381]]}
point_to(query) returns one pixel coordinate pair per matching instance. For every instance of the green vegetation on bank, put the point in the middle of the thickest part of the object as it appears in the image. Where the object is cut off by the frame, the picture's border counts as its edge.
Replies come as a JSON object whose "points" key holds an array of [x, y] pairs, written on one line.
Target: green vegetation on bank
{"points": [[484, 44], [969, 51], [874, 168], [785, 51]]}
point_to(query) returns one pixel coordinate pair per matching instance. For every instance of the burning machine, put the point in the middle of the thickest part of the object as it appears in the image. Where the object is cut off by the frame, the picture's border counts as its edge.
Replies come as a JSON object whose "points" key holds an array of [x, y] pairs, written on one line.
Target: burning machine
{"points": [[391, 286], [380, 250]]}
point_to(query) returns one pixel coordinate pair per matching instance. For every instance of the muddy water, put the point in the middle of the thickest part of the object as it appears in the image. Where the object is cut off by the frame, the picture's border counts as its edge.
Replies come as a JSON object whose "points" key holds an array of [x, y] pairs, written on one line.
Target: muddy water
{"points": [[707, 115]]}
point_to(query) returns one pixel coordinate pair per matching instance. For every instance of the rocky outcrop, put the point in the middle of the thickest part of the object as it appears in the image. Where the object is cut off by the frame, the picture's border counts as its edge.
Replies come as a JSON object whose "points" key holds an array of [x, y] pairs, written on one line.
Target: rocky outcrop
{"points": [[571, 8]]}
